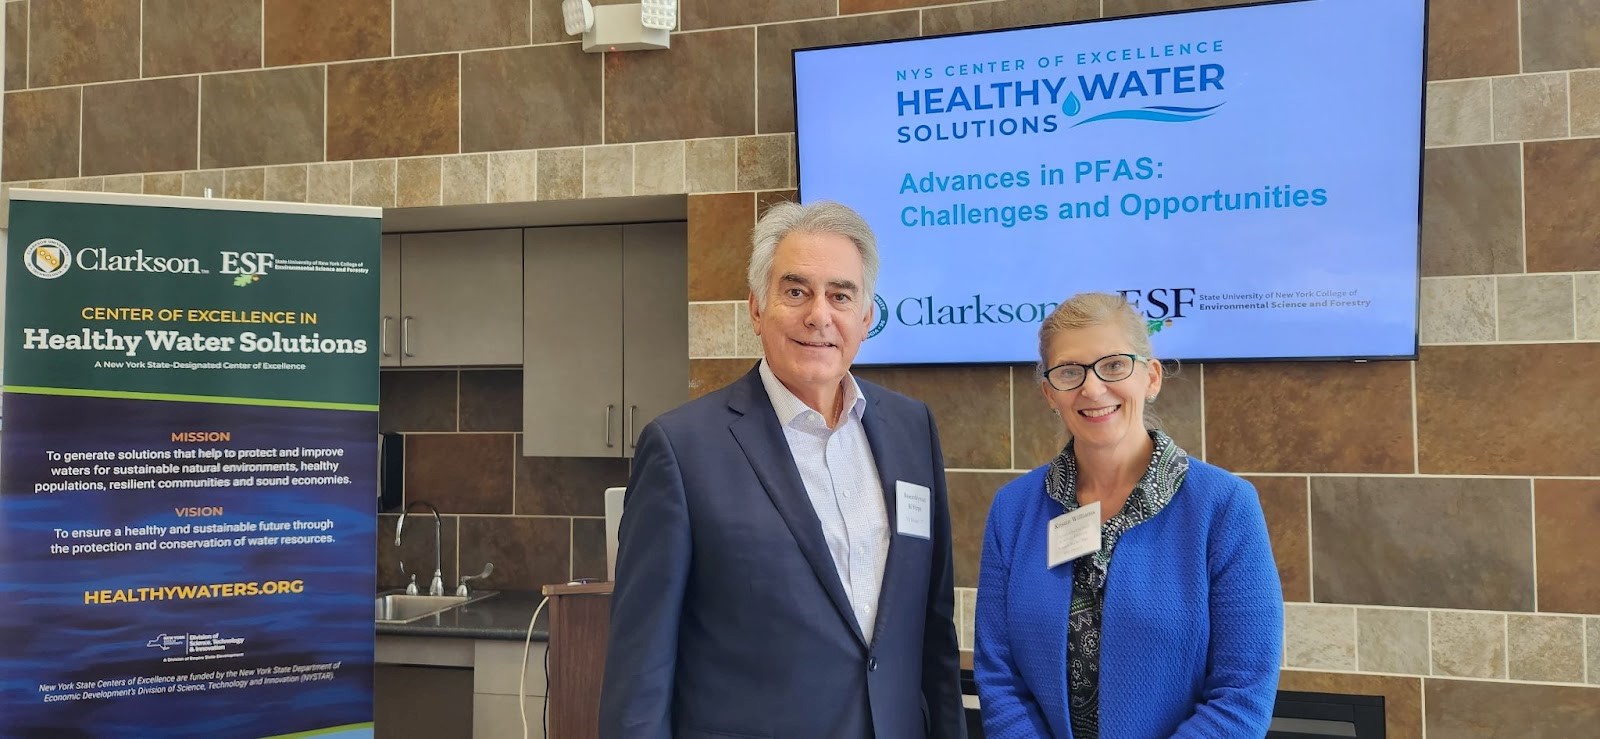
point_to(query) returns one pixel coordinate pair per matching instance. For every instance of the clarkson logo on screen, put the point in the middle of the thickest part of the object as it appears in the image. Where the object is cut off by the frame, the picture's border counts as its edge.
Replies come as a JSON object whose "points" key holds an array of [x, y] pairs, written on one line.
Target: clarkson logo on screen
{"points": [[883, 316]]}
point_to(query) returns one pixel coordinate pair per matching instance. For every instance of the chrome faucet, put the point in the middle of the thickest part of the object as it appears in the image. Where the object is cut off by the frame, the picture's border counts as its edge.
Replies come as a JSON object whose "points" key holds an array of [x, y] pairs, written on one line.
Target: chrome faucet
{"points": [[437, 588], [461, 585]]}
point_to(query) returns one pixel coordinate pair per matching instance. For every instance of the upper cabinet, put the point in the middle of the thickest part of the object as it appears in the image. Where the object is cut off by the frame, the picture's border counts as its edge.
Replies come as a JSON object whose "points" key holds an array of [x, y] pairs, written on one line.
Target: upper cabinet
{"points": [[452, 298], [606, 344]]}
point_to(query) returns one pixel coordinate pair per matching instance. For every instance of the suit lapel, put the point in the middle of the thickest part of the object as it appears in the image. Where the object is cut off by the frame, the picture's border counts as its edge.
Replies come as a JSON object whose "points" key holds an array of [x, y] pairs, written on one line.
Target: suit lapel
{"points": [[759, 435], [887, 438]]}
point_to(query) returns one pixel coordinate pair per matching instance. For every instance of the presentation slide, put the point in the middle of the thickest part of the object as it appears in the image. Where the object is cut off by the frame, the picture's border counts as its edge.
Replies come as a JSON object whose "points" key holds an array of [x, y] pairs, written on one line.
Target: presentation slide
{"points": [[1248, 178]]}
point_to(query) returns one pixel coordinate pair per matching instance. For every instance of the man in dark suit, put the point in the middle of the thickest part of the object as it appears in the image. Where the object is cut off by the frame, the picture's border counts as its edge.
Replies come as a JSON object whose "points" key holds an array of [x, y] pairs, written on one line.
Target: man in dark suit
{"points": [[784, 561]]}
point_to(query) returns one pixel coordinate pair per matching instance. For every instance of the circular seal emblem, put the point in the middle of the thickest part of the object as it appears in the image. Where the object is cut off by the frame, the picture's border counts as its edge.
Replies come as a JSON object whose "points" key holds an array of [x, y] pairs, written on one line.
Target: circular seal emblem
{"points": [[883, 315], [47, 258]]}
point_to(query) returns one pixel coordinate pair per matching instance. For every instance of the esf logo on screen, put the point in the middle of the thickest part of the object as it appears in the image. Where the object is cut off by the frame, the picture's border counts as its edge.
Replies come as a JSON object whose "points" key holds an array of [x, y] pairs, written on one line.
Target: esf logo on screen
{"points": [[1157, 304], [1044, 103]]}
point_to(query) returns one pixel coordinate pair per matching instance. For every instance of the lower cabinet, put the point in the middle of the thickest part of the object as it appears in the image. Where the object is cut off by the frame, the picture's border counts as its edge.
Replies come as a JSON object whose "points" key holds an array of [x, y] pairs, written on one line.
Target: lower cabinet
{"points": [[447, 687]]}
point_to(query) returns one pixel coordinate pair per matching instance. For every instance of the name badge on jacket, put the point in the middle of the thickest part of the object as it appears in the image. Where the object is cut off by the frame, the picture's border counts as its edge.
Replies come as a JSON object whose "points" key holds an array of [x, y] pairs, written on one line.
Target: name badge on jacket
{"points": [[913, 509], [1074, 534]]}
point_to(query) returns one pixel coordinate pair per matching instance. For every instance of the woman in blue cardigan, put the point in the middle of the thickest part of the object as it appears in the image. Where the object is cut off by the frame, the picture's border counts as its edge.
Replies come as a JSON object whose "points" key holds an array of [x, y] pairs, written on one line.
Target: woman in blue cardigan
{"points": [[1162, 616]]}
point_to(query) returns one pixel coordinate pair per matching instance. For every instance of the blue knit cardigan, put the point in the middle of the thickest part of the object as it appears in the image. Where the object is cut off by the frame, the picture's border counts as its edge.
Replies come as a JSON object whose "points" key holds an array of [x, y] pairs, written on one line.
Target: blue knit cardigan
{"points": [[1193, 619]]}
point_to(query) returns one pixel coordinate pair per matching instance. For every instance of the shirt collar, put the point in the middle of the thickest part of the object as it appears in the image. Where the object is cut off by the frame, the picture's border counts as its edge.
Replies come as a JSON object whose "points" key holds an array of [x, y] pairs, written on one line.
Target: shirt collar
{"points": [[789, 407]]}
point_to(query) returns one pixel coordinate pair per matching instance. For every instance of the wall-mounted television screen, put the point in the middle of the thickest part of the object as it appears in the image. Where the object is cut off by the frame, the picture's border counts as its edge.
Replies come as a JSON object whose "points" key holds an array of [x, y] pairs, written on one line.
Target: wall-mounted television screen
{"points": [[1248, 177]]}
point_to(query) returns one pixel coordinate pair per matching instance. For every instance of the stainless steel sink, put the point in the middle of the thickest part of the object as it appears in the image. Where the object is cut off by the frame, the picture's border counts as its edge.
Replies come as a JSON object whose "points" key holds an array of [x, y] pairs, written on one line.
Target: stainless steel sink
{"points": [[399, 608]]}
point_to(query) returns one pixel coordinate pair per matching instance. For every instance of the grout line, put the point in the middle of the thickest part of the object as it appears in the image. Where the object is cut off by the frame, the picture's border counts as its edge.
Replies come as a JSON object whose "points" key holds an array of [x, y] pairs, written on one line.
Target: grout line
{"points": [[1494, 303], [1520, 65], [1355, 635], [602, 97], [141, 35], [1522, 188], [1531, 140], [459, 65], [324, 128], [1509, 342], [1011, 391], [1533, 532], [1430, 613], [394, 57], [262, 49], [1583, 628], [1422, 691], [458, 401], [80, 130], [392, 26], [1492, 139], [755, 81], [1416, 441], [1204, 453], [1311, 560], [1505, 656], [572, 545], [1568, 110], [516, 450], [1574, 279]]}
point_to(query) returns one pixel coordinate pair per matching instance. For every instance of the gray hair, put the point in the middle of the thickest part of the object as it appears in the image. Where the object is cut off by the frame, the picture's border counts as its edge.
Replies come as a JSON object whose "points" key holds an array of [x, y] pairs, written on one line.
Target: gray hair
{"points": [[821, 217]]}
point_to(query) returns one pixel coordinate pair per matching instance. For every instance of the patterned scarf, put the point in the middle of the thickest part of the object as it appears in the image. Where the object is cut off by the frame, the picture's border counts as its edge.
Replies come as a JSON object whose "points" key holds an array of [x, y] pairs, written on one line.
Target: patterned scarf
{"points": [[1168, 466]]}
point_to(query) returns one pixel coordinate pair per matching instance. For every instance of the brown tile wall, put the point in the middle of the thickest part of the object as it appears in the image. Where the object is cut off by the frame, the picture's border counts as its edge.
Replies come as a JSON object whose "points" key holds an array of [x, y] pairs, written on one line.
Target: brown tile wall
{"points": [[1435, 508], [540, 520]]}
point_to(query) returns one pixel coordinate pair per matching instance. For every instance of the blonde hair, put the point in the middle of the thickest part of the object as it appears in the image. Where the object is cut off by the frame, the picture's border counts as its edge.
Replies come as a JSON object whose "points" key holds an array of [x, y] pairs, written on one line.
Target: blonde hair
{"points": [[1086, 310]]}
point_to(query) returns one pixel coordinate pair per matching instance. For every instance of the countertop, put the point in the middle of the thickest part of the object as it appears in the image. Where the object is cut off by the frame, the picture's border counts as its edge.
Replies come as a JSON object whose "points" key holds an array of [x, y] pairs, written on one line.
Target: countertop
{"points": [[502, 616]]}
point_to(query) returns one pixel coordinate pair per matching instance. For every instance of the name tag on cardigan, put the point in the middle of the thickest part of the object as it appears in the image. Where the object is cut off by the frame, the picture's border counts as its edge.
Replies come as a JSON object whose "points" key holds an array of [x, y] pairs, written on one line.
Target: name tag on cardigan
{"points": [[1074, 534]]}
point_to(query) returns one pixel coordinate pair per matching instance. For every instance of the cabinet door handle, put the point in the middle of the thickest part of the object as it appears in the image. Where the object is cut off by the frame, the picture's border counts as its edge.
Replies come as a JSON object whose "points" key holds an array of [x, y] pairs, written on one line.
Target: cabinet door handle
{"points": [[383, 337], [608, 426], [633, 443], [405, 336]]}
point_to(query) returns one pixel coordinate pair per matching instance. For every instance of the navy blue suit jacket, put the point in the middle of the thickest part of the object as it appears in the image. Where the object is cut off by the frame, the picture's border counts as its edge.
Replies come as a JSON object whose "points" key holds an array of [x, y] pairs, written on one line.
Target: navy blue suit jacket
{"points": [[728, 616]]}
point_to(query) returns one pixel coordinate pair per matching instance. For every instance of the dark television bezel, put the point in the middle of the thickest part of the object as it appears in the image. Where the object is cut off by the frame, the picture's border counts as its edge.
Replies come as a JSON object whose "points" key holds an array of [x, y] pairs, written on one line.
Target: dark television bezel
{"points": [[1422, 127]]}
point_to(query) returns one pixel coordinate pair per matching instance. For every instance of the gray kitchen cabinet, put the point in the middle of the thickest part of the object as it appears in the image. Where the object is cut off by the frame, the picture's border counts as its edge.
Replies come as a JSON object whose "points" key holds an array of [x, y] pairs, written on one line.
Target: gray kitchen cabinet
{"points": [[606, 335], [389, 302], [452, 298]]}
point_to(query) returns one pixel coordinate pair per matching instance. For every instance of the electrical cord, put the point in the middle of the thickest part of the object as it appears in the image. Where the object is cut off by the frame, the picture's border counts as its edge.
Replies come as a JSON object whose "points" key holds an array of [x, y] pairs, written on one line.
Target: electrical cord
{"points": [[522, 678]]}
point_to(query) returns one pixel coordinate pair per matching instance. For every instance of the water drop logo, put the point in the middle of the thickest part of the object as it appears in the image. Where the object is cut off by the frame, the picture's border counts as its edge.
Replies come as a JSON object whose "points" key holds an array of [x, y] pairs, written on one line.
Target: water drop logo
{"points": [[1072, 105]]}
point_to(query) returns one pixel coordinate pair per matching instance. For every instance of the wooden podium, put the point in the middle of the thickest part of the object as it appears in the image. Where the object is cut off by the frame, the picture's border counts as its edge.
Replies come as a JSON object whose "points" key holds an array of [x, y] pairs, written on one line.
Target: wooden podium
{"points": [[580, 621]]}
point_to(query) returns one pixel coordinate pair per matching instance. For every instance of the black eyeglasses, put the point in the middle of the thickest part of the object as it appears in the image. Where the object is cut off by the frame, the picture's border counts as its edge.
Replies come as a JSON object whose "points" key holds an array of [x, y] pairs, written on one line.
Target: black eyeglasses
{"points": [[1109, 368]]}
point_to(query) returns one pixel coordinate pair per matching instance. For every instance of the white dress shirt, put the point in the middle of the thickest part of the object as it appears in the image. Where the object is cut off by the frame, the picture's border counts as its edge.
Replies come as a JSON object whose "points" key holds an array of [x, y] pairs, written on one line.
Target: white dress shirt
{"points": [[840, 477]]}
